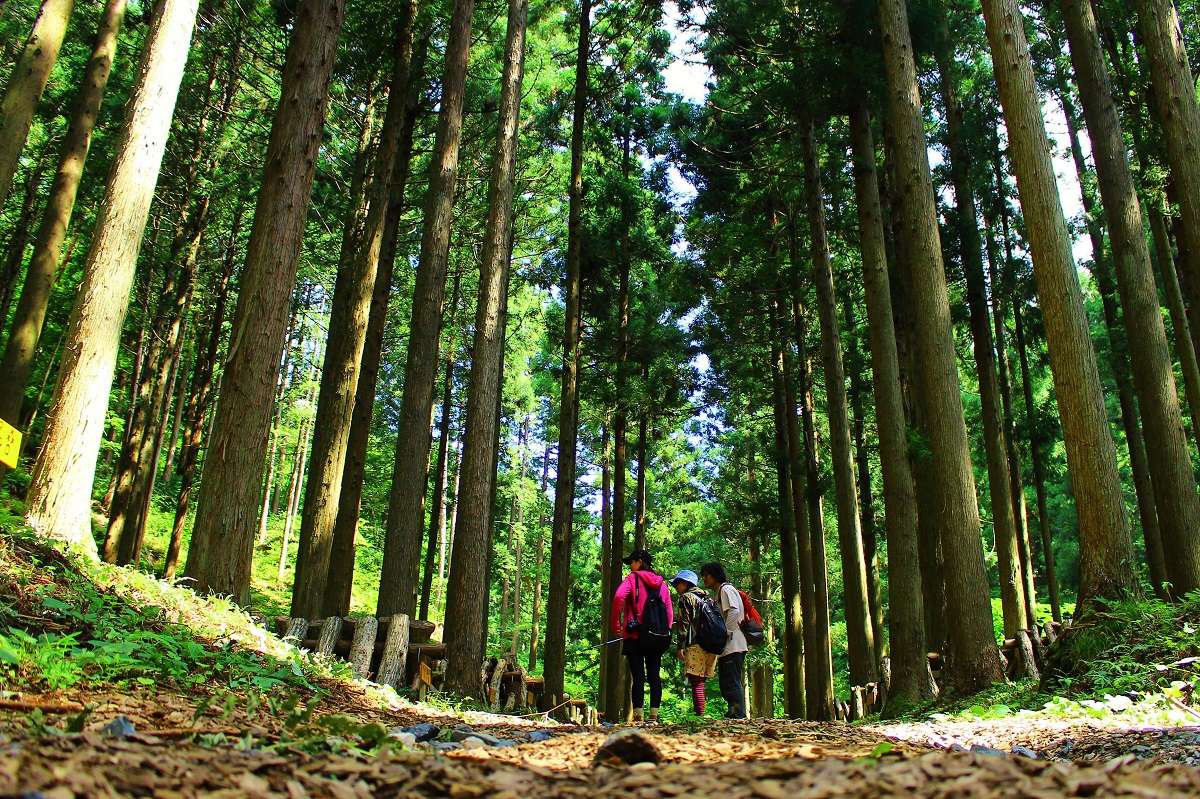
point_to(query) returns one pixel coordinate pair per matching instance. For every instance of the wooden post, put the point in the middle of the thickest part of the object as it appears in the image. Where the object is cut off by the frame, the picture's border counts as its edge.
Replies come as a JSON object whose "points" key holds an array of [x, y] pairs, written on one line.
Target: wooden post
{"points": [[296, 630], [493, 689], [1026, 660], [331, 628], [363, 647], [395, 652]]}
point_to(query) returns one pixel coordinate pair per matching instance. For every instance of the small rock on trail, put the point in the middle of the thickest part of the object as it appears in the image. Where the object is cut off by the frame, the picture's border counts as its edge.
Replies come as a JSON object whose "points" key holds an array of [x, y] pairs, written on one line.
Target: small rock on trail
{"points": [[627, 747]]}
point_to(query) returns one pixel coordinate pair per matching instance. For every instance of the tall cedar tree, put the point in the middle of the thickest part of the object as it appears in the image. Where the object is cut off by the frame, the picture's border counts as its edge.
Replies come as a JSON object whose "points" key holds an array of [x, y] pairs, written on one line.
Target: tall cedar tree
{"points": [[467, 591], [906, 631], [59, 500], [26, 84], [1171, 476], [30, 315], [227, 513], [1106, 550], [314, 594], [1012, 594], [406, 505], [859, 634], [973, 659], [562, 530]]}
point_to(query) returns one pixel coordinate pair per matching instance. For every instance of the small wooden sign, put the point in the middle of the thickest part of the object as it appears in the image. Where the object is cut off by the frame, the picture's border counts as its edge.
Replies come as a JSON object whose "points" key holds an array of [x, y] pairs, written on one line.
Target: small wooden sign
{"points": [[426, 674], [10, 444]]}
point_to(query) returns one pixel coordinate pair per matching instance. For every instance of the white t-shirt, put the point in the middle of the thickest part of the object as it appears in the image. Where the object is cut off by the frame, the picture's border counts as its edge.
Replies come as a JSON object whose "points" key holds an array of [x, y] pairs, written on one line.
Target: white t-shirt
{"points": [[733, 612]]}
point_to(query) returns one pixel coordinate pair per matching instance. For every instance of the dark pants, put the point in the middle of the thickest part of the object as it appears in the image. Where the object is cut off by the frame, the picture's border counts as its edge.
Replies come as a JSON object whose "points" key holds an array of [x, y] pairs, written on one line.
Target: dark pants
{"points": [[731, 670], [645, 663]]}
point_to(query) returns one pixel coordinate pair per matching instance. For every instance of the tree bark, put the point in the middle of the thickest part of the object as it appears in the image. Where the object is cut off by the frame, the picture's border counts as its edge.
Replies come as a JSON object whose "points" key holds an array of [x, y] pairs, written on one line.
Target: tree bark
{"points": [[818, 657], [614, 701], [906, 631], [1174, 93], [568, 423], [973, 661], [793, 611], [26, 84], [995, 437], [467, 590], [640, 516], [222, 546], [325, 562], [437, 520], [536, 611], [859, 632], [354, 474], [59, 500], [199, 395], [1171, 474], [30, 316], [406, 506], [1105, 547]]}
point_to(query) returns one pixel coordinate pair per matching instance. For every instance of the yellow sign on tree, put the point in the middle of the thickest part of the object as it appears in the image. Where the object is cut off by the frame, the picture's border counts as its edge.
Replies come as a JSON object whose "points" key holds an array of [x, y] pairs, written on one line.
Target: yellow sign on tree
{"points": [[10, 444]]}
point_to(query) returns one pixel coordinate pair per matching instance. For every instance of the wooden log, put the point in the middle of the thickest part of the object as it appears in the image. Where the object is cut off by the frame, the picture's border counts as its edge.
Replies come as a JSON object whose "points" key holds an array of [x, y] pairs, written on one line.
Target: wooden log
{"points": [[858, 705], [395, 652], [331, 630], [363, 647], [296, 630]]}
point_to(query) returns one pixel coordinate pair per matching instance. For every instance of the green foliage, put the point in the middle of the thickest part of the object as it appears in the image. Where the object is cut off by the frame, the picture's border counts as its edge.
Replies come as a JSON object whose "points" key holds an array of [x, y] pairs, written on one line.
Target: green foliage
{"points": [[65, 629], [1129, 647]]}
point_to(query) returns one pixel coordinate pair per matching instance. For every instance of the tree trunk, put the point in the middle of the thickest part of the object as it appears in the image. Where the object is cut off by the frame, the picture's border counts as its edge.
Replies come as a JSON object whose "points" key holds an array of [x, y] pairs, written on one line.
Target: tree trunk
{"points": [[1174, 92], [59, 501], [906, 631], [536, 610], [27, 324], [859, 633], [437, 520], [466, 593], [602, 566], [974, 662], [354, 474], [325, 561], [1153, 375], [995, 437], [15, 250], [406, 506], [126, 522], [643, 460], [568, 423], [219, 558], [26, 84], [929, 553], [198, 399], [793, 613], [1106, 550], [862, 466], [818, 657]]}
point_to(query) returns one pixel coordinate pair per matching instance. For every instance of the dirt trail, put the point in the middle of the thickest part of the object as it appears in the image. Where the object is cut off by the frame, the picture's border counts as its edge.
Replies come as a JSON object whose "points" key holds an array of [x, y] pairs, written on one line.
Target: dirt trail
{"points": [[764, 759]]}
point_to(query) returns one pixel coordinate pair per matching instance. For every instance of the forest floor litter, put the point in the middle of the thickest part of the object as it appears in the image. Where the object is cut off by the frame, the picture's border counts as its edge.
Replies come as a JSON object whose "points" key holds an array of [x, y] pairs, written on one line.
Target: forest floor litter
{"points": [[146, 744], [174, 696]]}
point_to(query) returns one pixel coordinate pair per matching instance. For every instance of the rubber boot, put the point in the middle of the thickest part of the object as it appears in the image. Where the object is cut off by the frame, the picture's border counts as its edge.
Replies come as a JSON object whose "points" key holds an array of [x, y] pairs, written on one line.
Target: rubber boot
{"points": [[653, 716]]}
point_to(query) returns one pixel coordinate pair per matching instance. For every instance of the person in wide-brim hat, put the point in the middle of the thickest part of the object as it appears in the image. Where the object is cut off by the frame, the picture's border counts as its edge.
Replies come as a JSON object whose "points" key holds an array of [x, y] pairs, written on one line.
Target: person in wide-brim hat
{"points": [[698, 665]]}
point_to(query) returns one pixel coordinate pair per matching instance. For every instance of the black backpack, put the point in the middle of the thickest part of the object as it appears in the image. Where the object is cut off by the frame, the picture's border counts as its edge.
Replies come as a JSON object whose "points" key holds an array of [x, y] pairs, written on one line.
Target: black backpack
{"points": [[653, 627], [711, 634]]}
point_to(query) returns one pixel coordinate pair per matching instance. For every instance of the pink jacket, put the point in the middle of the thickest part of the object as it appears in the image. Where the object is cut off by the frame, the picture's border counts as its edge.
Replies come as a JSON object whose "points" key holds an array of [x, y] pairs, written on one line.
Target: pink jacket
{"points": [[631, 596]]}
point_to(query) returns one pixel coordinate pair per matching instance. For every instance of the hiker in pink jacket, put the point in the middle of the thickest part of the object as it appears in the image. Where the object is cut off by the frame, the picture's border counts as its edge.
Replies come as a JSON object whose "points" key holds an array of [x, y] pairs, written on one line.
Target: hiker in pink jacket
{"points": [[642, 615]]}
